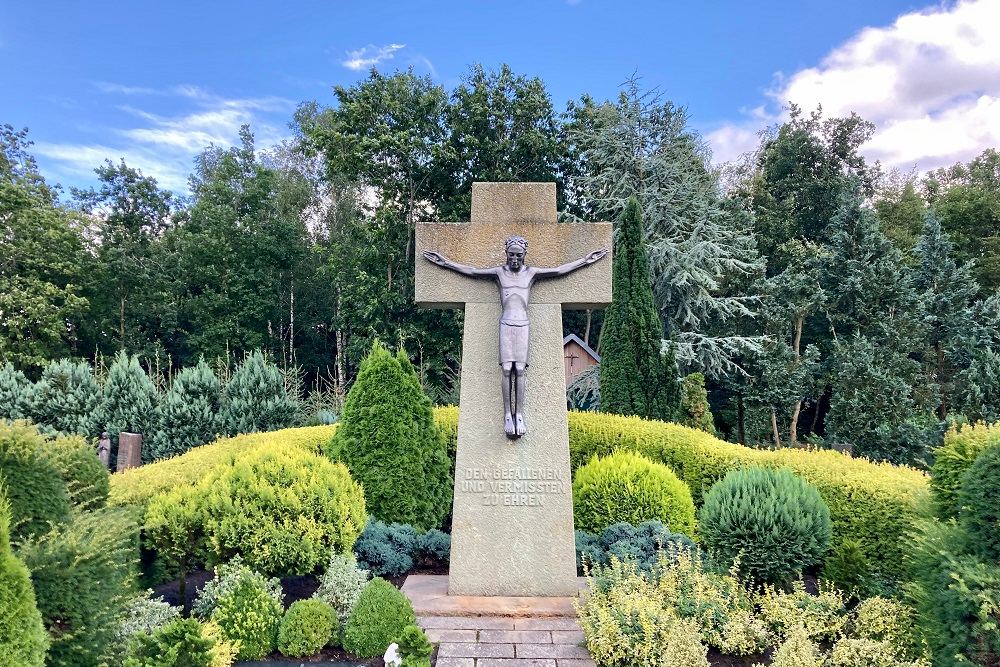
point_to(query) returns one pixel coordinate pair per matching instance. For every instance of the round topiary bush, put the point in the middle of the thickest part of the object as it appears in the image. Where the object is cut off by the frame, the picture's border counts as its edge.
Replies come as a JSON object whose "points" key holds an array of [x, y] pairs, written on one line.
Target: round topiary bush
{"points": [[283, 510], [388, 439], [379, 618], [307, 627], [629, 488], [772, 521], [247, 613], [979, 504], [179, 642], [23, 640], [35, 487]]}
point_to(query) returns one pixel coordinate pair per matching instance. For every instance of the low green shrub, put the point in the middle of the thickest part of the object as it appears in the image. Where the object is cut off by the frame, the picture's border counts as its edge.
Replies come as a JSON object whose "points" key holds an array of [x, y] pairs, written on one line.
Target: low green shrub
{"points": [[83, 575], [378, 619], [248, 614], [35, 487], [979, 501], [23, 640], [874, 503], [227, 577], [394, 549], [143, 614], [882, 619], [797, 650], [848, 569], [179, 643], [626, 487], [640, 544], [962, 444], [772, 522], [283, 511], [822, 616], [340, 586], [414, 647], [137, 486], [306, 628], [86, 478]]}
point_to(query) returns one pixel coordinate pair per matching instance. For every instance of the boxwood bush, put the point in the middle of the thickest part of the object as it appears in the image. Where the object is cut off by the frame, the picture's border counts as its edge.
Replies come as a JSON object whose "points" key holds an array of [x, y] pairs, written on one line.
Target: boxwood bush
{"points": [[23, 640], [306, 628], [772, 521], [35, 487], [379, 618], [979, 501], [627, 487], [961, 446]]}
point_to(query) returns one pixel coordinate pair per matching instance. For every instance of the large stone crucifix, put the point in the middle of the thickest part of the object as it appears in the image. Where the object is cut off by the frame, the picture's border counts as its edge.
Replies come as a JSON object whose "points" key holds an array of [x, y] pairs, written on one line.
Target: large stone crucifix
{"points": [[512, 523]]}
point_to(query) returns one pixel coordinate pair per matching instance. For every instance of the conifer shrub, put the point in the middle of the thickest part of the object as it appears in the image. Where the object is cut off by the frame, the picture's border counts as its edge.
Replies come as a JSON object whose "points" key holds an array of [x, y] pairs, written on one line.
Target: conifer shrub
{"points": [[394, 549], [35, 487], [23, 640], [979, 501], [248, 614], [636, 376], [66, 399], [695, 410], [86, 478], [143, 614], [227, 577], [128, 401], [962, 444], [340, 587], [14, 393], [849, 570], [179, 643], [642, 545], [627, 487], [388, 440], [283, 510], [414, 647], [83, 575], [774, 523], [306, 628], [174, 529], [379, 618], [255, 399], [188, 415]]}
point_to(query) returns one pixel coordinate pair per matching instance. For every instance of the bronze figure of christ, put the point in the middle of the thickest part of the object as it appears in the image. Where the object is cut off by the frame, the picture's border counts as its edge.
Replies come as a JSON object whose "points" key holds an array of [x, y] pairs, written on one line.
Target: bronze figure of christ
{"points": [[514, 279]]}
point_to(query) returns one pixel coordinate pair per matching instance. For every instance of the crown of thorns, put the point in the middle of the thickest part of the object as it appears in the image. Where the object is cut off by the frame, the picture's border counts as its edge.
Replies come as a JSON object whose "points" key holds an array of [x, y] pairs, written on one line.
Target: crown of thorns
{"points": [[516, 240]]}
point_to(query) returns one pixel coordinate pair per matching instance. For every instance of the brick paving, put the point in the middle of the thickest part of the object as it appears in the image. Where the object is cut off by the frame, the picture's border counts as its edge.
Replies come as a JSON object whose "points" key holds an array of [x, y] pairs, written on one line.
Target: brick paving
{"points": [[494, 641]]}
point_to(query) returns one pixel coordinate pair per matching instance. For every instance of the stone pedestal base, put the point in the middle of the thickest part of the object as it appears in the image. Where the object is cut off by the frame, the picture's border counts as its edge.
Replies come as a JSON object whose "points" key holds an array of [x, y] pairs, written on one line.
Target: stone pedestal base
{"points": [[512, 526], [429, 596]]}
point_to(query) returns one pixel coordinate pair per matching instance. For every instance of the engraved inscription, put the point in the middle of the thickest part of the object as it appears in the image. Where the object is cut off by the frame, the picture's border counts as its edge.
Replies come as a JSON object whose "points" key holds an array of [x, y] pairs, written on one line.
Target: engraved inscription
{"points": [[512, 487]]}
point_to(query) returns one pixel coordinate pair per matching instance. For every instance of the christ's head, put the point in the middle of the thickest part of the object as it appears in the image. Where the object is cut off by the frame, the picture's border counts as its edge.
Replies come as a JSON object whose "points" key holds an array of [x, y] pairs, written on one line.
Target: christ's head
{"points": [[517, 248]]}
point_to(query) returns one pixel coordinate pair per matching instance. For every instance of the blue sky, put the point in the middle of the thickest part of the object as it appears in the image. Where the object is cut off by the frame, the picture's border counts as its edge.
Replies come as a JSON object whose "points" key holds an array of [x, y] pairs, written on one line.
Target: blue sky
{"points": [[156, 82]]}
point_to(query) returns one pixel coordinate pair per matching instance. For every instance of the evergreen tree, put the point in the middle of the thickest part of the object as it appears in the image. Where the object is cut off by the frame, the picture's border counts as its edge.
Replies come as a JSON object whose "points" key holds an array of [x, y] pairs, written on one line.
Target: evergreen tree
{"points": [[977, 384], [23, 640], [945, 291], [388, 440], [695, 410], [66, 399], [14, 388], [255, 399], [128, 401], [637, 376], [188, 415]]}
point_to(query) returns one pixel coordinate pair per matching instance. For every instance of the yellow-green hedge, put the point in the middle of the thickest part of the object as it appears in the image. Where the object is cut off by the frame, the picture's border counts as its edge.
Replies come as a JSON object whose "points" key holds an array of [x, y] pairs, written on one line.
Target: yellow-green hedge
{"points": [[873, 503], [138, 485]]}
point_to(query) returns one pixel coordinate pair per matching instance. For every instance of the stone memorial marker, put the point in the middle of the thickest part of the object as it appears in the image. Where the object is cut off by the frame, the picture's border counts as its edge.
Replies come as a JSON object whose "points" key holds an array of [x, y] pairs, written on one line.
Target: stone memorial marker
{"points": [[129, 451], [512, 524]]}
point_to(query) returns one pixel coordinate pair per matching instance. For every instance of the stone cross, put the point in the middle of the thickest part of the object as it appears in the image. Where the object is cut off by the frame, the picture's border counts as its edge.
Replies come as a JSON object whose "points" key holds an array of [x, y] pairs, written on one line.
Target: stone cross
{"points": [[512, 522]]}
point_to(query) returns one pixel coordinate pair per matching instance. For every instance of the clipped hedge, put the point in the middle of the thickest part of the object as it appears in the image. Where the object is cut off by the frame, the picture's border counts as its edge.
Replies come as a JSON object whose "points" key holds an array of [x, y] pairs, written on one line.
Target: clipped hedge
{"points": [[961, 447], [137, 486]]}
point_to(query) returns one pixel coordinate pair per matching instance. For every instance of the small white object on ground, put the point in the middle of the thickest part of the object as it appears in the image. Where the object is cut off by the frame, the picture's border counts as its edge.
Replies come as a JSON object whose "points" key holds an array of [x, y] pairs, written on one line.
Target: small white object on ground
{"points": [[391, 657]]}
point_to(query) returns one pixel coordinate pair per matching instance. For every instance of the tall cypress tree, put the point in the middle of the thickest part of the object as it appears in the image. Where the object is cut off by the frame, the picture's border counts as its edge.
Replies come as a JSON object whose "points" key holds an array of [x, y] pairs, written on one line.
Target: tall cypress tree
{"points": [[637, 377], [255, 399], [188, 415], [129, 399]]}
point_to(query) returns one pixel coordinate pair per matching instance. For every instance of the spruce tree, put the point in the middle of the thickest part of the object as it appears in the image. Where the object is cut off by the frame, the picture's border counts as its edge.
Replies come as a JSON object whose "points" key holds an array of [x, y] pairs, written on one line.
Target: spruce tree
{"points": [[388, 440], [23, 640], [637, 377], [66, 399], [255, 399], [128, 401], [14, 388], [188, 415]]}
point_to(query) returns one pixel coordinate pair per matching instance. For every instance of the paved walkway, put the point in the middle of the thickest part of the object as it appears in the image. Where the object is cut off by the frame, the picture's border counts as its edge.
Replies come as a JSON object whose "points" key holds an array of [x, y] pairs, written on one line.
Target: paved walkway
{"points": [[495, 641]]}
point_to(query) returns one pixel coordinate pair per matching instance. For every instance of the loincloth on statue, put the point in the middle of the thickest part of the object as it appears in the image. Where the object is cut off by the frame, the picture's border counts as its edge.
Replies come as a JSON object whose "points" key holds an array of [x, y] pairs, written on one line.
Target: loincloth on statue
{"points": [[513, 343]]}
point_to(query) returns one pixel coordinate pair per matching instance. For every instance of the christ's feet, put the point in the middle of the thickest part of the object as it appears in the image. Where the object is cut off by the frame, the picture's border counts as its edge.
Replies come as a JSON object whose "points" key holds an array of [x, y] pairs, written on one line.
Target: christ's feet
{"points": [[508, 426], [521, 428]]}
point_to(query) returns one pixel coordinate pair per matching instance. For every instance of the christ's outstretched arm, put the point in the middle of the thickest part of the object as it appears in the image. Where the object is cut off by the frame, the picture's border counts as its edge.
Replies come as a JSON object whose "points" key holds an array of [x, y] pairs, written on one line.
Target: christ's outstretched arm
{"points": [[569, 267], [464, 269]]}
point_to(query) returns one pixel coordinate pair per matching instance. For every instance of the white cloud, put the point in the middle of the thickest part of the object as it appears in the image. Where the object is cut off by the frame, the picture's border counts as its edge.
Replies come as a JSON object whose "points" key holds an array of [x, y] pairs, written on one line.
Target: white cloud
{"points": [[930, 82], [370, 55], [163, 146]]}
